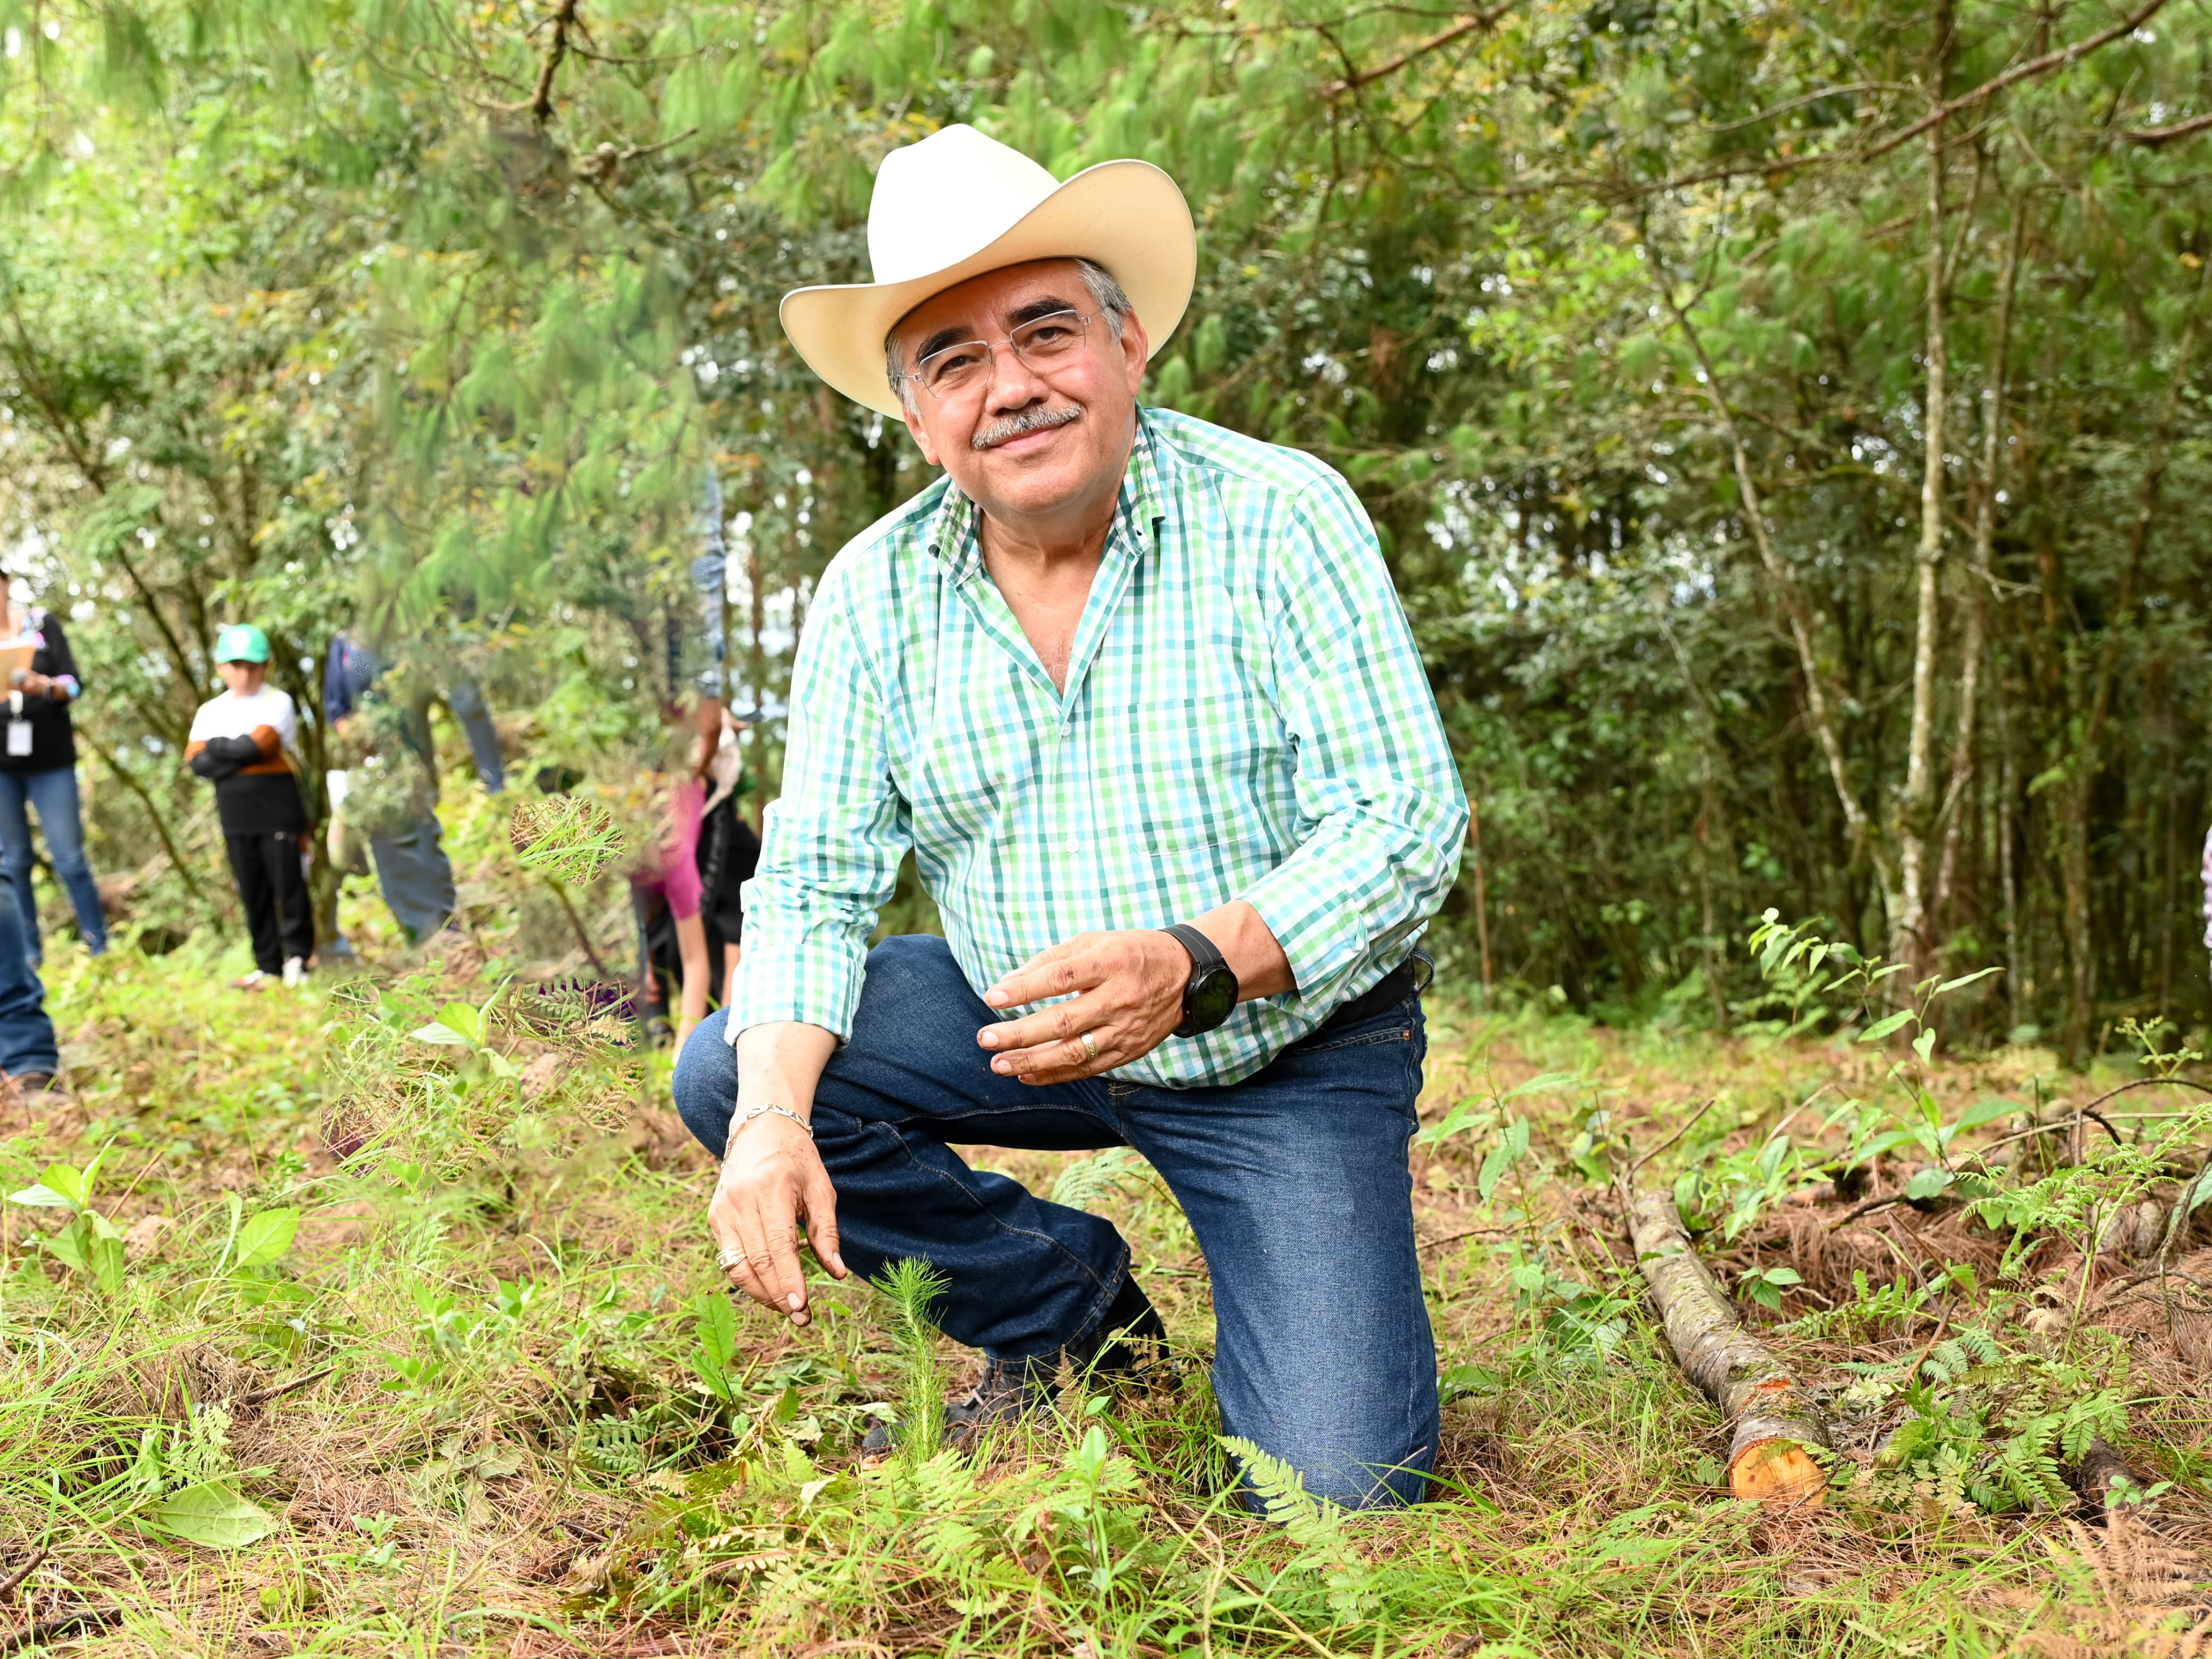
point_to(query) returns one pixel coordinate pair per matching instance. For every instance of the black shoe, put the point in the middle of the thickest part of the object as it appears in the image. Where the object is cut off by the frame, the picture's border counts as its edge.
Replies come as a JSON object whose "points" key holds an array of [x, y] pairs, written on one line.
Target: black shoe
{"points": [[38, 1090], [1130, 1340]]}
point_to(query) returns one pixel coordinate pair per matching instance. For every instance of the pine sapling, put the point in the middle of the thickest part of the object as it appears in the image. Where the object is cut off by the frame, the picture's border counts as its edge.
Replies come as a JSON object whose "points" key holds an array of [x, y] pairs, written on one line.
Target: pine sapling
{"points": [[912, 1286]]}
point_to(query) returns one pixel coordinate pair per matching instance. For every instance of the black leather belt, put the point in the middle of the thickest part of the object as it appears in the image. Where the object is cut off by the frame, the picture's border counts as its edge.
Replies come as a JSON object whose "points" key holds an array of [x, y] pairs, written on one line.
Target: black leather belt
{"points": [[1409, 978]]}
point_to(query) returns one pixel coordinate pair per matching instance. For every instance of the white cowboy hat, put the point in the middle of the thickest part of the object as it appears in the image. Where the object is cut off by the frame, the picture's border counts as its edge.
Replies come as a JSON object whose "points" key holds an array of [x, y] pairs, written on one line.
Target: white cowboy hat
{"points": [[957, 204]]}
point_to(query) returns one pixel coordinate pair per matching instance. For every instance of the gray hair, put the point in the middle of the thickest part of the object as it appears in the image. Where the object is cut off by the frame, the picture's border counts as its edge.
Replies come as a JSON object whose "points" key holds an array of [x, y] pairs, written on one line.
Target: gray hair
{"points": [[1105, 293]]}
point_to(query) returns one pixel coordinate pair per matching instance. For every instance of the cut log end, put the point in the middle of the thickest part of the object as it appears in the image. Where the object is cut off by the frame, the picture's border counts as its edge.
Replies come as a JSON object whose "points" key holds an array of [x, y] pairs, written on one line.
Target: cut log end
{"points": [[1779, 1473]]}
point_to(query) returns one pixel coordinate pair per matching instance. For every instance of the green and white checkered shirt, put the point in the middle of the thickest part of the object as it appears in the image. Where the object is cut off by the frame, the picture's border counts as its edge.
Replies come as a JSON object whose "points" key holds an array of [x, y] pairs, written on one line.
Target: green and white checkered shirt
{"points": [[1246, 717]]}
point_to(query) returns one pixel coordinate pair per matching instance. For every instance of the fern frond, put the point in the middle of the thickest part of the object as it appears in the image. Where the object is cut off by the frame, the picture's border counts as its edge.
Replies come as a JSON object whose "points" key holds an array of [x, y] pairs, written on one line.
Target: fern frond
{"points": [[1313, 1524], [1115, 1170]]}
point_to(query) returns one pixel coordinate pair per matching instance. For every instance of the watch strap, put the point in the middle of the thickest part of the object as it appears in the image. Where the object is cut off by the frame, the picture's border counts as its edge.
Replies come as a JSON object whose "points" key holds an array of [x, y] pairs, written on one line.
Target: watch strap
{"points": [[1208, 968], [1205, 956]]}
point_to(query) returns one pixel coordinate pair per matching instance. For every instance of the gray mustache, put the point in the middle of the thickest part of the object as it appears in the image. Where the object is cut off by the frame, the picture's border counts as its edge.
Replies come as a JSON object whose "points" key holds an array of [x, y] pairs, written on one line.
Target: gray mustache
{"points": [[1030, 420]]}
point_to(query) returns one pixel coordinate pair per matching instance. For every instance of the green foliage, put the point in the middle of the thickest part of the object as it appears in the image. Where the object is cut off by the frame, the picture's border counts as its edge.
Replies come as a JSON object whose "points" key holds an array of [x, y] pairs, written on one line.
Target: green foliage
{"points": [[568, 838], [1987, 1429], [1315, 1526], [1872, 1309], [910, 1286], [1730, 1191], [376, 338], [468, 1333], [1805, 975], [88, 1242], [1764, 1285], [211, 1513]]}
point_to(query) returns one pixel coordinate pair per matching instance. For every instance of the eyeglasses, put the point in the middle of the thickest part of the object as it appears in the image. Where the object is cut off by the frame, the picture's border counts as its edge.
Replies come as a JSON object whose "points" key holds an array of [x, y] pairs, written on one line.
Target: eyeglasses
{"points": [[1040, 345]]}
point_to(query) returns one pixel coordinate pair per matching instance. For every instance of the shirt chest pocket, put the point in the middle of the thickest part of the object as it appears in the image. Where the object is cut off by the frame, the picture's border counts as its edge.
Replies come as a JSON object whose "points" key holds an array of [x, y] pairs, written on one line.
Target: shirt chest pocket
{"points": [[1201, 771]]}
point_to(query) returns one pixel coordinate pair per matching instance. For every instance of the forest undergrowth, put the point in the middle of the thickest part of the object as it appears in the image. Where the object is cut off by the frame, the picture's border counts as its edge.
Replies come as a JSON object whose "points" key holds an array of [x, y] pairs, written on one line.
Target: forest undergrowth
{"points": [[380, 1318]]}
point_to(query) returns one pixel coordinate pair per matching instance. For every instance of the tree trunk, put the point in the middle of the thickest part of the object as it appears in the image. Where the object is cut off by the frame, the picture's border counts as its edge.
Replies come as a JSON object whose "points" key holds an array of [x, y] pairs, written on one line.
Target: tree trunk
{"points": [[1795, 610], [1979, 582], [2082, 774], [1772, 1420], [1908, 940]]}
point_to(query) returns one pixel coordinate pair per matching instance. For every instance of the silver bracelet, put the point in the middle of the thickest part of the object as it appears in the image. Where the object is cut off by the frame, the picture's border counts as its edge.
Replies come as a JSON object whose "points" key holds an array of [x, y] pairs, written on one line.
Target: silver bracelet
{"points": [[752, 1112]]}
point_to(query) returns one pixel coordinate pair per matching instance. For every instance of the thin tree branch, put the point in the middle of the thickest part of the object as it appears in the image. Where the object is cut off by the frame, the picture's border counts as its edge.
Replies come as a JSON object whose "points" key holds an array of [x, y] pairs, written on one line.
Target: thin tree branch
{"points": [[160, 825], [16, 1580], [1637, 1168], [1795, 610], [2018, 72], [539, 104], [2155, 136], [82, 1622], [583, 933], [1465, 25]]}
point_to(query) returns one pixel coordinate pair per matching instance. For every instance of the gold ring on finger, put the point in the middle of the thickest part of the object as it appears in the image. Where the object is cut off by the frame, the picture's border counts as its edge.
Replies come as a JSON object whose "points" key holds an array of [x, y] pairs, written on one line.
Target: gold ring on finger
{"points": [[1091, 1045], [730, 1258]]}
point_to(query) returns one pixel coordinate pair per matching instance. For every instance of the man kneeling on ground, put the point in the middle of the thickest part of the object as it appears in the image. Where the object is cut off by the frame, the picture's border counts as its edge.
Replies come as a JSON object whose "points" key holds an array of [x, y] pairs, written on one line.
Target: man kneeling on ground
{"points": [[1139, 695]]}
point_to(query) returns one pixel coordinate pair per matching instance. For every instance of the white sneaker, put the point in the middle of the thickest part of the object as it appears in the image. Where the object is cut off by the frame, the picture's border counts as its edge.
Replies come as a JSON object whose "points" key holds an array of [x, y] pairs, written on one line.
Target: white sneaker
{"points": [[295, 971]]}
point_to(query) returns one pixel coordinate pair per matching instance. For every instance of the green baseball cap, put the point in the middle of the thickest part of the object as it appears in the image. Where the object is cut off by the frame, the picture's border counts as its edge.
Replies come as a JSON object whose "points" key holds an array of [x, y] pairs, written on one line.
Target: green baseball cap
{"points": [[242, 643]]}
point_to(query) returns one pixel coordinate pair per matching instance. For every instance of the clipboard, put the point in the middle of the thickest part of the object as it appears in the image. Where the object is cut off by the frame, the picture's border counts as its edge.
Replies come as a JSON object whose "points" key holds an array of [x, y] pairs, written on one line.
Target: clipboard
{"points": [[14, 654]]}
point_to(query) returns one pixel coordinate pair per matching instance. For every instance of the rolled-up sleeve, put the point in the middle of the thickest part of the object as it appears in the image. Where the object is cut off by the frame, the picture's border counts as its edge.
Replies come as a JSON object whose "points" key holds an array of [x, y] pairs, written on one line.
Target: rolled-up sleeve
{"points": [[831, 846], [1375, 777]]}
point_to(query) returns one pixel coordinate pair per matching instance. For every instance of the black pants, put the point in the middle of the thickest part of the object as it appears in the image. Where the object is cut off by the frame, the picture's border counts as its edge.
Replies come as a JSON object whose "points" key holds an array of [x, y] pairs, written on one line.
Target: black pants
{"points": [[274, 890]]}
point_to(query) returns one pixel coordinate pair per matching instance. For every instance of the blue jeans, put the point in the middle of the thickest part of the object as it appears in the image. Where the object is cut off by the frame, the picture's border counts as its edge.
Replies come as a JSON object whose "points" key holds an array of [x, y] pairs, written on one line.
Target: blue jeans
{"points": [[26, 1034], [1295, 1180], [54, 791], [467, 699], [415, 877]]}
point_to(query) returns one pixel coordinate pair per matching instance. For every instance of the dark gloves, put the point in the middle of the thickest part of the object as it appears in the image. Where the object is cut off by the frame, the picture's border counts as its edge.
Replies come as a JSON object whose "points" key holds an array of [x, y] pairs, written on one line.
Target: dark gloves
{"points": [[221, 757]]}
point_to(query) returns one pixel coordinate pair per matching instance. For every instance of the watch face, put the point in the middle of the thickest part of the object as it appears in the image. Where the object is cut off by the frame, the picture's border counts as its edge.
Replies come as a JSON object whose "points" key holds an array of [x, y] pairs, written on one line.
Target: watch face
{"points": [[1213, 1000]]}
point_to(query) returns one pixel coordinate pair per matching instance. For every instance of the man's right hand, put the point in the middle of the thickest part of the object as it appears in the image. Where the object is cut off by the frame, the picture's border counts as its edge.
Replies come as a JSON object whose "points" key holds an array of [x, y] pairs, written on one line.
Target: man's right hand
{"points": [[772, 1180]]}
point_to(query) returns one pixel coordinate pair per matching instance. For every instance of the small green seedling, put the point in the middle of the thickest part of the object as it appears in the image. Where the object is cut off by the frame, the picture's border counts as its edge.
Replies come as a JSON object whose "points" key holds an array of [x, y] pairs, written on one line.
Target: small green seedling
{"points": [[459, 1025], [1764, 1285], [377, 1528], [89, 1243]]}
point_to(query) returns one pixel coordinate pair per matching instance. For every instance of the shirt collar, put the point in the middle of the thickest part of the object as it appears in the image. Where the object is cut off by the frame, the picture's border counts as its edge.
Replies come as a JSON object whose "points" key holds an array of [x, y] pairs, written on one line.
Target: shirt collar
{"points": [[953, 536]]}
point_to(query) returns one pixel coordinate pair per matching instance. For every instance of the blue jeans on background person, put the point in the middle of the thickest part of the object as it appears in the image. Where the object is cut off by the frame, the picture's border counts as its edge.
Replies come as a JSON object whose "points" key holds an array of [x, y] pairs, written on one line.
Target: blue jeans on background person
{"points": [[54, 791], [415, 877], [1295, 1182], [26, 1034], [467, 699]]}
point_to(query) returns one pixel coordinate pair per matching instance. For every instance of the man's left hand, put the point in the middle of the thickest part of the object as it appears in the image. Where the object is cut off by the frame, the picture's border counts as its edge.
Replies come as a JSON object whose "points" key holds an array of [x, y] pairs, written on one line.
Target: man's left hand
{"points": [[1127, 993]]}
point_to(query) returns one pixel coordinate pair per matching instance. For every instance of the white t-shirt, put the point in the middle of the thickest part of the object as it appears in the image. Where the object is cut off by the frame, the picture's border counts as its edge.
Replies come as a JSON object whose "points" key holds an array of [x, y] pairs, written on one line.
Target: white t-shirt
{"points": [[233, 716]]}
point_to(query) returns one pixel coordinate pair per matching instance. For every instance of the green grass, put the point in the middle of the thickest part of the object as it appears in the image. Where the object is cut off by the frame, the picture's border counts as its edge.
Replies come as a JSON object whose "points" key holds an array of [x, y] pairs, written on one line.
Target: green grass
{"points": [[489, 1401]]}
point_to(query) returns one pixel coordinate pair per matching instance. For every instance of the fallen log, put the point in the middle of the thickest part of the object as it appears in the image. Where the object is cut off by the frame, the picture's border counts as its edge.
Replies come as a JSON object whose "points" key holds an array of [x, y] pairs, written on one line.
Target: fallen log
{"points": [[1771, 1419]]}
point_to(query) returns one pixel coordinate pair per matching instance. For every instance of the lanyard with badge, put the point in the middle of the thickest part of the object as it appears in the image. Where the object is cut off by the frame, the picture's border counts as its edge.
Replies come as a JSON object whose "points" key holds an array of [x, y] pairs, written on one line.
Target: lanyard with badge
{"points": [[18, 653]]}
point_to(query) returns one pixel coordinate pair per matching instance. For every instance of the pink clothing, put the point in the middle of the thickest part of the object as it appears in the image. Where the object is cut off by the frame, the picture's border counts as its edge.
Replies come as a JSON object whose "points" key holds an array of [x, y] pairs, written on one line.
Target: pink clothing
{"points": [[673, 871]]}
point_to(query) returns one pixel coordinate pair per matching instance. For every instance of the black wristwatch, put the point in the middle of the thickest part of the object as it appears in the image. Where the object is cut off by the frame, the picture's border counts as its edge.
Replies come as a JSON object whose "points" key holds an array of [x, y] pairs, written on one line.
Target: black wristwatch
{"points": [[1211, 996]]}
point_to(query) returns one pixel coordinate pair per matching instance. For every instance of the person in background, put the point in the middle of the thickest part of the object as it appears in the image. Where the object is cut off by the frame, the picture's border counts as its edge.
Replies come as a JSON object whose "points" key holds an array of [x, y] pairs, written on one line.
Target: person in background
{"points": [[412, 871], [245, 742], [38, 768], [728, 852], [28, 1052], [686, 866], [669, 880]]}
